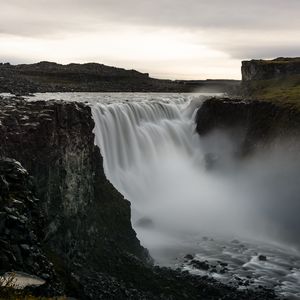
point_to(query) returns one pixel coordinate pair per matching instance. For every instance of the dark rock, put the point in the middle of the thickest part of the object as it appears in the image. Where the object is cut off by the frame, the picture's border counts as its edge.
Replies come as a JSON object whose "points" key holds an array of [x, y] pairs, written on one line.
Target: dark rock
{"points": [[189, 256], [210, 160], [145, 222], [270, 69], [201, 265], [251, 125], [262, 257], [235, 242]]}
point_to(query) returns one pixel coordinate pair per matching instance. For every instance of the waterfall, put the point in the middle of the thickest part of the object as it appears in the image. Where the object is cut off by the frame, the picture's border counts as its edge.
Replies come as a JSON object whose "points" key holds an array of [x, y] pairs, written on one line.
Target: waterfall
{"points": [[153, 156], [135, 137]]}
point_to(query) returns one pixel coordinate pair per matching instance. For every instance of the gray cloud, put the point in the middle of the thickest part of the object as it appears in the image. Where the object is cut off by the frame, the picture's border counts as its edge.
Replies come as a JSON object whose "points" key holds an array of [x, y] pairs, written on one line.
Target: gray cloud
{"points": [[40, 16], [220, 22]]}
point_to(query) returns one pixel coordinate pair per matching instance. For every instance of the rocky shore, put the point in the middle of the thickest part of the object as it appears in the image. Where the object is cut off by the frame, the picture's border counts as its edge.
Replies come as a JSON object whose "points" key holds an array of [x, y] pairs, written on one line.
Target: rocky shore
{"points": [[62, 220]]}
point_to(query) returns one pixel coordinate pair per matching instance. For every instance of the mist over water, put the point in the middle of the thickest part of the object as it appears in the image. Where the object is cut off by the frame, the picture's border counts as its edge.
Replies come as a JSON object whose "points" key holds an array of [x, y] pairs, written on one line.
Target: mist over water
{"points": [[153, 156]]}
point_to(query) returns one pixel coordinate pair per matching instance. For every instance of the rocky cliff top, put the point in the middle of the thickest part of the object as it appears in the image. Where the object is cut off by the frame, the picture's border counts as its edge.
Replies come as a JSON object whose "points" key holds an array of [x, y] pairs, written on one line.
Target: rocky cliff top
{"points": [[270, 69], [276, 80]]}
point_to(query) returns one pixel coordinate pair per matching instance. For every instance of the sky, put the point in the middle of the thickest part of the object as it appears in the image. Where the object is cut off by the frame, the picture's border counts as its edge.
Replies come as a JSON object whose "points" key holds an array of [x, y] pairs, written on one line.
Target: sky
{"points": [[176, 39]]}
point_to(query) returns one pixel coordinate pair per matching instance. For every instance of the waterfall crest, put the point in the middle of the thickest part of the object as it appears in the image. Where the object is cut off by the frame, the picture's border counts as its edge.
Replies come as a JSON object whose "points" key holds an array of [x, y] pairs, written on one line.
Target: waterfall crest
{"points": [[133, 136]]}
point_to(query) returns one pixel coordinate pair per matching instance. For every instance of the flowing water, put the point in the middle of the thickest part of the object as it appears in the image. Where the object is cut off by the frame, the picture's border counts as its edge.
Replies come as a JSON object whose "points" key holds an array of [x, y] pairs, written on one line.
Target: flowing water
{"points": [[225, 216]]}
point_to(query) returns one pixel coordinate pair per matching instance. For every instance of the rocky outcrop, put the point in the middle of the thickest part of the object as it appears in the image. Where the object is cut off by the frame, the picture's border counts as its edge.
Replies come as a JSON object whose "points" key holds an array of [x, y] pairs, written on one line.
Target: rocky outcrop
{"points": [[270, 69], [21, 223], [252, 124], [84, 215]]}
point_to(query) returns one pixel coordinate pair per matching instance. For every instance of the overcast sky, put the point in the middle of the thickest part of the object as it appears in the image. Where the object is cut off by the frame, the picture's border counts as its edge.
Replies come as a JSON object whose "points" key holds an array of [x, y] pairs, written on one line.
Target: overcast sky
{"points": [[168, 38]]}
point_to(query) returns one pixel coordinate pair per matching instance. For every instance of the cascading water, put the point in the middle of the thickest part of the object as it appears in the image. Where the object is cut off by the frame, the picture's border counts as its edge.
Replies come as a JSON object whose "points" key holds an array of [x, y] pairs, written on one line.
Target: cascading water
{"points": [[143, 144], [153, 156]]}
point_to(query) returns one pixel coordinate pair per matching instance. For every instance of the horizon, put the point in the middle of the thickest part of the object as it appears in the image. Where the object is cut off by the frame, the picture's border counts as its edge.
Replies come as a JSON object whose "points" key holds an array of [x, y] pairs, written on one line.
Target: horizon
{"points": [[167, 39], [117, 67]]}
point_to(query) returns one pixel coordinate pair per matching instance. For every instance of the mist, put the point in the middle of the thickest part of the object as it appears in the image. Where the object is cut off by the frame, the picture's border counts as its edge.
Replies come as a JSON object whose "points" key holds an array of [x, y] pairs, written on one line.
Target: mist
{"points": [[181, 184]]}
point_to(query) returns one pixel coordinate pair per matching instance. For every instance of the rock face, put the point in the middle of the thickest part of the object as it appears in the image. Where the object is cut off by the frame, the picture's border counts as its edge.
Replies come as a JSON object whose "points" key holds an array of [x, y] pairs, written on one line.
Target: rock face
{"points": [[21, 221], [270, 69], [78, 234], [255, 123], [84, 214]]}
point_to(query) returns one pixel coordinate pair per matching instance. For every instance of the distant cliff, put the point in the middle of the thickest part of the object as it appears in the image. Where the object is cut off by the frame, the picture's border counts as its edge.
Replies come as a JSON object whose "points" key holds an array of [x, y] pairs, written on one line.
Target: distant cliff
{"points": [[270, 69], [275, 80], [251, 124], [93, 77]]}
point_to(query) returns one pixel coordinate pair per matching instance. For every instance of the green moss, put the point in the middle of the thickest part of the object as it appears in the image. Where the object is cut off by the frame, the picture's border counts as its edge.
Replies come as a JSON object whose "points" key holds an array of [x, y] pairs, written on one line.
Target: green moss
{"points": [[284, 90]]}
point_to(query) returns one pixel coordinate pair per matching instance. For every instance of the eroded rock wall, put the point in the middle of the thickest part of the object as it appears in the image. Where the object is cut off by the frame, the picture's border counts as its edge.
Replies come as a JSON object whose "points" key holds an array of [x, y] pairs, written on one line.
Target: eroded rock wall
{"points": [[270, 69], [254, 124], [86, 220]]}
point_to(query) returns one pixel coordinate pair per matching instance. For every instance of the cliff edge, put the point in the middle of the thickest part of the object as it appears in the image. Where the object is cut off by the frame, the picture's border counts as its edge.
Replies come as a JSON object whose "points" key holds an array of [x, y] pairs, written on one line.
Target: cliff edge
{"points": [[276, 80]]}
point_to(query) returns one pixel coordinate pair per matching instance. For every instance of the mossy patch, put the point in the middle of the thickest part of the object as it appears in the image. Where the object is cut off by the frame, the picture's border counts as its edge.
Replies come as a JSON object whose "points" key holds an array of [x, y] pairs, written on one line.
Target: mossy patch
{"points": [[284, 90]]}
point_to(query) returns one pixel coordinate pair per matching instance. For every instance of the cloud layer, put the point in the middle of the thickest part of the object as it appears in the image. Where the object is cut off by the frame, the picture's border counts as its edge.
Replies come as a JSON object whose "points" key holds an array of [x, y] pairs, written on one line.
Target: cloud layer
{"points": [[217, 30]]}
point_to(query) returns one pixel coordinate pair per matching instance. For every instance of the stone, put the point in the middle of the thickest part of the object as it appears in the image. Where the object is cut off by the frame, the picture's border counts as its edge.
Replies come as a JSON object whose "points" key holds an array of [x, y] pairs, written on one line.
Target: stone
{"points": [[262, 257], [189, 256], [145, 222]]}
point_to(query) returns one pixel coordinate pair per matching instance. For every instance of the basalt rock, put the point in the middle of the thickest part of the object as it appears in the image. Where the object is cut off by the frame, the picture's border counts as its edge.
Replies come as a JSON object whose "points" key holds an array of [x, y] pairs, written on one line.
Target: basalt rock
{"points": [[270, 69], [21, 221], [251, 124], [86, 221]]}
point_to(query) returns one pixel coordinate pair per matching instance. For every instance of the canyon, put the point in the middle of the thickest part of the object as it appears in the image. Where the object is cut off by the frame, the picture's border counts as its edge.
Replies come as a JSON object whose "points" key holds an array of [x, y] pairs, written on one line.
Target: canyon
{"points": [[65, 211]]}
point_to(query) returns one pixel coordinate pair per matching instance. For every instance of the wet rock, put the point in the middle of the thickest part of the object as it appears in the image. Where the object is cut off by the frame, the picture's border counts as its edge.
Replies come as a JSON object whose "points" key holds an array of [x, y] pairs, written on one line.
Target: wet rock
{"points": [[262, 257], [189, 256], [235, 241], [255, 123], [201, 265], [210, 161], [145, 223]]}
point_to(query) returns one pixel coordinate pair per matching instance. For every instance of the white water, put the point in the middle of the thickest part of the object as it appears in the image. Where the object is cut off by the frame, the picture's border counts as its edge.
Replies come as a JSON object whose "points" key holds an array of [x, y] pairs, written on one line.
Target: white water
{"points": [[153, 156]]}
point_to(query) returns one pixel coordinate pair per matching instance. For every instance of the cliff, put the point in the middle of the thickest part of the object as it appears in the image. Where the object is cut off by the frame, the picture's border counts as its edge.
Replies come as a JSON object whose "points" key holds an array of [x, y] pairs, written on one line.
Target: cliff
{"points": [[251, 124], [93, 77], [270, 69], [86, 221], [74, 226], [275, 80]]}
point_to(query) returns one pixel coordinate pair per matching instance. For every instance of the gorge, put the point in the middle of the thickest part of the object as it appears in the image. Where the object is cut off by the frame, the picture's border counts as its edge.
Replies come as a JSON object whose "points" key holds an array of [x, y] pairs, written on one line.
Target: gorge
{"points": [[182, 188]]}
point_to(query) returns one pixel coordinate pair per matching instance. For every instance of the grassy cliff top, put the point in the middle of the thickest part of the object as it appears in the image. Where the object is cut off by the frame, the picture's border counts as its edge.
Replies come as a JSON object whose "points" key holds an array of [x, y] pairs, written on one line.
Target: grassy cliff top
{"points": [[284, 90]]}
